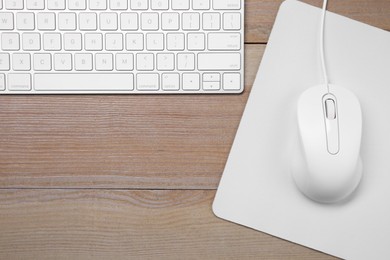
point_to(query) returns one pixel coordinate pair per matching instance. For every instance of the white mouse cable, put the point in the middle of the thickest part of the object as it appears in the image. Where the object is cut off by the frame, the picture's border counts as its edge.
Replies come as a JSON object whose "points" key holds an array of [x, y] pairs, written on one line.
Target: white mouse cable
{"points": [[322, 47]]}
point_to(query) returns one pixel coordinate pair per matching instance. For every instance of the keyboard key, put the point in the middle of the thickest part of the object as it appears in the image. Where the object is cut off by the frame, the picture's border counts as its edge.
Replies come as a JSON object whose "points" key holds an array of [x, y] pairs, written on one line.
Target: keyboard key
{"points": [[171, 81], [191, 21], [155, 41], [88, 21], [35, 4], [84, 82], [98, 4], [231, 21], [224, 41], [76, 4], [10, 41], [129, 21], [114, 42], [42, 61], [19, 82], [14, 4], [160, 4], [145, 61], [211, 85], [72, 41], [186, 61], [175, 41], [196, 41], [231, 81], [170, 21], [104, 61], [211, 21], [191, 81], [148, 82], [124, 61], [165, 61], [31, 41], [83, 61], [118, 4], [201, 4], [4, 61], [227, 4], [134, 41], [46, 21], [108, 21], [93, 41], [180, 4], [149, 21], [25, 21], [67, 21], [21, 61], [219, 61], [6, 21], [52, 41], [211, 77], [139, 4], [56, 4], [62, 62]]}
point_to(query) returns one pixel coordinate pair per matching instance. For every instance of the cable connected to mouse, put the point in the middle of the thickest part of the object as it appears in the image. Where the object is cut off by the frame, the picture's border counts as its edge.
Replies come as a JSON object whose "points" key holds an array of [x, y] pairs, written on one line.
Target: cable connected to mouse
{"points": [[326, 163], [322, 45]]}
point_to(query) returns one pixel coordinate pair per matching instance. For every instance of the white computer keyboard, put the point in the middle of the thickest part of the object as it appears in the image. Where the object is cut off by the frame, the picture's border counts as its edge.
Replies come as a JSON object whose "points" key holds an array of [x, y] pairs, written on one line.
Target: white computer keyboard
{"points": [[121, 46]]}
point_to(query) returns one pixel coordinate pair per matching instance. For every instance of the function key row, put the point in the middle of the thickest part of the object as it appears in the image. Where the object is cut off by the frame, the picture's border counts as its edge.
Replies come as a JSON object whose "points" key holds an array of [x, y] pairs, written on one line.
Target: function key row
{"points": [[121, 4]]}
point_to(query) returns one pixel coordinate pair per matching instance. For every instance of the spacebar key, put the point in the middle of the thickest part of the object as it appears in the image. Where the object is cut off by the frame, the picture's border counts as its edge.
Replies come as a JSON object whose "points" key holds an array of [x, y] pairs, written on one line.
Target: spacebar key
{"points": [[83, 82]]}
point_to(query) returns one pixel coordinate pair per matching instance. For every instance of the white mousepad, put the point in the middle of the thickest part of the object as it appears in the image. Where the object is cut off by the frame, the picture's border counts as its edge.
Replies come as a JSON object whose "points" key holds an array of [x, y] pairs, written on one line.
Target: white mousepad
{"points": [[257, 190]]}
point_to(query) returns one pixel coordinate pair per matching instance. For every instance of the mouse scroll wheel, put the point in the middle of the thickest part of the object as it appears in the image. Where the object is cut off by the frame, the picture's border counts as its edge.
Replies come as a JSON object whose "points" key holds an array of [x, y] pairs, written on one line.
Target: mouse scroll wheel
{"points": [[330, 107]]}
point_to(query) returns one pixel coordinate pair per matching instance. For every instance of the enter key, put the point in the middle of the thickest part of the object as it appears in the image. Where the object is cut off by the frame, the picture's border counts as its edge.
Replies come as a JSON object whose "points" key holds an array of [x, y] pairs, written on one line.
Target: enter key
{"points": [[224, 41]]}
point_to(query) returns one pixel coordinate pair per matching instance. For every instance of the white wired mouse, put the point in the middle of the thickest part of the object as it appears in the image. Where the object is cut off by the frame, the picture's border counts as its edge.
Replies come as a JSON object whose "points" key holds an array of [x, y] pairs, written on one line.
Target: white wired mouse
{"points": [[326, 164]]}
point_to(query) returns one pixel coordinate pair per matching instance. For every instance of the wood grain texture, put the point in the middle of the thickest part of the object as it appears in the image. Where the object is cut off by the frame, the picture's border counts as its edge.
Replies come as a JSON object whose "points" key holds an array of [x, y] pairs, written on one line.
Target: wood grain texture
{"points": [[138, 142], [98, 224], [148, 142], [260, 14], [98, 143]]}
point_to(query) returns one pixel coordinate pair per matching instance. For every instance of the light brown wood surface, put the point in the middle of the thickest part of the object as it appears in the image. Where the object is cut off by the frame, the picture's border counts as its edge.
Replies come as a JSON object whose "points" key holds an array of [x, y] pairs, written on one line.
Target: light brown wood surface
{"points": [[123, 177], [106, 224]]}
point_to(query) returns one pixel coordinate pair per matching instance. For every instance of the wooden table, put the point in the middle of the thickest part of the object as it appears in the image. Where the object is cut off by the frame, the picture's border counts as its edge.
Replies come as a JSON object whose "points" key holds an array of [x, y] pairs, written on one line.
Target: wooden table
{"points": [[120, 177]]}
